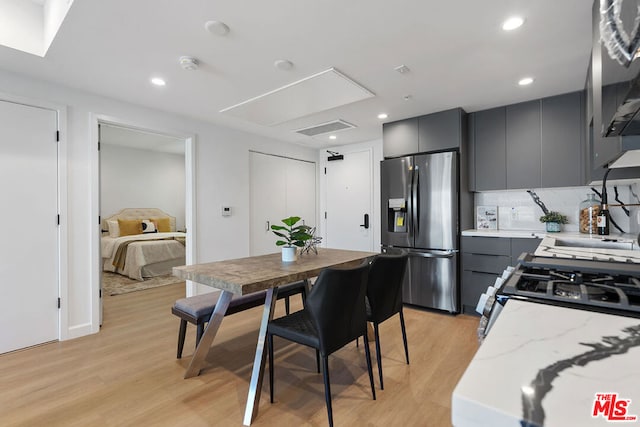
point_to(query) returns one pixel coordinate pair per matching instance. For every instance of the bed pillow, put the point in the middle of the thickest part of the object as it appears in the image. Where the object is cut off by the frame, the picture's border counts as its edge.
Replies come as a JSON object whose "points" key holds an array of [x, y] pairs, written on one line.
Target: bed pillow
{"points": [[163, 225], [114, 229], [129, 227], [148, 227]]}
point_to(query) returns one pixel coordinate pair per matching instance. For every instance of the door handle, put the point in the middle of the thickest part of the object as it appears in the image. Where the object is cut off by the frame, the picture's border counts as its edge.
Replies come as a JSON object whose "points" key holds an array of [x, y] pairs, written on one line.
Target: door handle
{"points": [[366, 221]]}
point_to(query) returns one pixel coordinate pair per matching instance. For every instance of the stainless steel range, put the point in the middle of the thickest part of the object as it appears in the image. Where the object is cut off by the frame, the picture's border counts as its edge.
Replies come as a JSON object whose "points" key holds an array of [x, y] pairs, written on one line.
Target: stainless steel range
{"points": [[603, 286]]}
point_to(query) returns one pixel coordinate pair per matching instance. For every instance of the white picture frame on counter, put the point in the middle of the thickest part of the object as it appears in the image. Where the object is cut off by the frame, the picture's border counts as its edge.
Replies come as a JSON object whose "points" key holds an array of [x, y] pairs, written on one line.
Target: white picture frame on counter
{"points": [[487, 218]]}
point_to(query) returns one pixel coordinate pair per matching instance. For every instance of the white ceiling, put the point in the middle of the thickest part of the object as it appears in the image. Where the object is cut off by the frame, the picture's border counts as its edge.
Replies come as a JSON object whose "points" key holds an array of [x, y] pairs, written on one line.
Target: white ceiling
{"points": [[455, 49]]}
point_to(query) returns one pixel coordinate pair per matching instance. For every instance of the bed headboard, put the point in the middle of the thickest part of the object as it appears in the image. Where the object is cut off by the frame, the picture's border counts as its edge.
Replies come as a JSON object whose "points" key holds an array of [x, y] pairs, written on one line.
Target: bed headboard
{"points": [[139, 213]]}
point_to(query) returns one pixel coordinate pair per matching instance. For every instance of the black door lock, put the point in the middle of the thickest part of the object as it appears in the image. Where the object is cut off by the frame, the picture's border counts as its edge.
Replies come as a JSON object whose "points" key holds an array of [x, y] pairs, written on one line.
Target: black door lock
{"points": [[366, 221]]}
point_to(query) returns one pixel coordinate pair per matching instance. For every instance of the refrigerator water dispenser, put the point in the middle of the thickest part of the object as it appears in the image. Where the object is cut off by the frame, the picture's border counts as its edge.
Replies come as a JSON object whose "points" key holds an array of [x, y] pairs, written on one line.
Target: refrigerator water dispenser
{"points": [[397, 216]]}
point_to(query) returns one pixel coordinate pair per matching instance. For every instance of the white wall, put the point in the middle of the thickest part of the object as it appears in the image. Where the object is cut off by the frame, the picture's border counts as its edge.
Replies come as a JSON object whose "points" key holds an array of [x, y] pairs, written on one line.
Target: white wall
{"points": [[133, 178], [221, 171]]}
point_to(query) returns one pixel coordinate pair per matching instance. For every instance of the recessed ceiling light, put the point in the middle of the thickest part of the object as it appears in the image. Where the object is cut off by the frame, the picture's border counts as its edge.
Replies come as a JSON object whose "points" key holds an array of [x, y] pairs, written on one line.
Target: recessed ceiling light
{"points": [[512, 23], [218, 28], [332, 137], [525, 81], [283, 64], [158, 81], [382, 116]]}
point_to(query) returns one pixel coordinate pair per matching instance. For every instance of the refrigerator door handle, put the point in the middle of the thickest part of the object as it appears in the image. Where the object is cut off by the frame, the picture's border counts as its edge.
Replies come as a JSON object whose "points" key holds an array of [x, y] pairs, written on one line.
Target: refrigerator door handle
{"points": [[433, 255], [414, 202]]}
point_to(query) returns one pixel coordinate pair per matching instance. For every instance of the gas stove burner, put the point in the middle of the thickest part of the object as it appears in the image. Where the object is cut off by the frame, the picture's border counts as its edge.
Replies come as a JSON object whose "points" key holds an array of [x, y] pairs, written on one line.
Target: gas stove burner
{"points": [[566, 289], [608, 287], [576, 277]]}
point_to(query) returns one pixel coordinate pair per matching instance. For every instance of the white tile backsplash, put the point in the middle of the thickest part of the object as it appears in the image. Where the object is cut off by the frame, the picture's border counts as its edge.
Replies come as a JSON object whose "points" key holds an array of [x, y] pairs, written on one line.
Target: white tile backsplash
{"points": [[517, 210]]}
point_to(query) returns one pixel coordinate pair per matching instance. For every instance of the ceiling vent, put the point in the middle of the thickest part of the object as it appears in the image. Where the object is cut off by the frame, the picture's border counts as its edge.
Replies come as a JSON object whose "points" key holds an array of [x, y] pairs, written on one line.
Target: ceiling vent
{"points": [[329, 127]]}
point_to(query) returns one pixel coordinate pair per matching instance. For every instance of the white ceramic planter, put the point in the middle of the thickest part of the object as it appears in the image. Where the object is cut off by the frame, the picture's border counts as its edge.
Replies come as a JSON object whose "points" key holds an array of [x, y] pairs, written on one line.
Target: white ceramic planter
{"points": [[289, 253]]}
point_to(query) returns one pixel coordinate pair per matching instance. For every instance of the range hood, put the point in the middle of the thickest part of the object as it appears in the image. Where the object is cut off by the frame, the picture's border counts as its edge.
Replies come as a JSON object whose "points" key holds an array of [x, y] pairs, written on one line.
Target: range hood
{"points": [[629, 155]]}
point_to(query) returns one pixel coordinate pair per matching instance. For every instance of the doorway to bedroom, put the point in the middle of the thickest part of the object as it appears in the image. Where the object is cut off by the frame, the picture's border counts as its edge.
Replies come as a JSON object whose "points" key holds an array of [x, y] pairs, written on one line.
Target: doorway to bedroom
{"points": [[143, 215]]}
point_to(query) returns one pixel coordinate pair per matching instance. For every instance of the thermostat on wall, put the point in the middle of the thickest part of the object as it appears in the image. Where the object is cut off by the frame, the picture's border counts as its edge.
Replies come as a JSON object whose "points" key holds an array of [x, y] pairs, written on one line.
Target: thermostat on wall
{"points": [[226, 211]]}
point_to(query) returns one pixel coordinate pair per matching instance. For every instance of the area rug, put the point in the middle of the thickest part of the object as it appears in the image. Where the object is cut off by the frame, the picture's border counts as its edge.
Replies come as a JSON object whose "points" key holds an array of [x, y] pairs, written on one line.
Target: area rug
{"points": [[116, 284]]}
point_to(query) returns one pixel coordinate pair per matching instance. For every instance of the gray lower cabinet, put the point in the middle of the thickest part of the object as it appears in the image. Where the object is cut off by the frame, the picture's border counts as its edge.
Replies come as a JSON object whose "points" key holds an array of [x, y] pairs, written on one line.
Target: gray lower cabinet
{"points": [[483, 260]]}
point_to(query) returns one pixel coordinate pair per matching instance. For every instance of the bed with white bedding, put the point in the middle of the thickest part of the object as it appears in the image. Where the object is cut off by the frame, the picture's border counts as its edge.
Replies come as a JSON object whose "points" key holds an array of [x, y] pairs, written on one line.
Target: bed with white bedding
{"points": [[140, 251]]}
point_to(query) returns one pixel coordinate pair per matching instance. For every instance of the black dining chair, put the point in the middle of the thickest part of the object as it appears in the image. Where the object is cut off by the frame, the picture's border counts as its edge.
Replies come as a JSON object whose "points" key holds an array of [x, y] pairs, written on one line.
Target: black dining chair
{"points": [[334, 316], [384, 297]]}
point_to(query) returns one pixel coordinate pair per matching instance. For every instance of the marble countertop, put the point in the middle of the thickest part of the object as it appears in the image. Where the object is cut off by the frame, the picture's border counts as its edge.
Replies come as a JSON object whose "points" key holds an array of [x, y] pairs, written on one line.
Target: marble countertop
{"points": [[505, 233], [601, 248], [544, 365]]}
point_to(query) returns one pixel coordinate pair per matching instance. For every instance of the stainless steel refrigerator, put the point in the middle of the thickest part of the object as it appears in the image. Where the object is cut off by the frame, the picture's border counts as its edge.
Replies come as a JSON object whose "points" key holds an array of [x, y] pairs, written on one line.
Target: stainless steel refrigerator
{"points": [[420, 206]]}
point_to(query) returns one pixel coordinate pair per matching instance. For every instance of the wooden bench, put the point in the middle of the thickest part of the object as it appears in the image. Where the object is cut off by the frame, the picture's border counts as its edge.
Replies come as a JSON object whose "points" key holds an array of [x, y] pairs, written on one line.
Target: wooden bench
{"points": [[197, 310]]}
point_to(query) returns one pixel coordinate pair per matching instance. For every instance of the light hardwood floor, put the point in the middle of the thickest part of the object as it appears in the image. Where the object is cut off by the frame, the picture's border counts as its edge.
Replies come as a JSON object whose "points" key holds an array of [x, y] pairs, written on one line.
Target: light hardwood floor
{"points": [[127, 375]]}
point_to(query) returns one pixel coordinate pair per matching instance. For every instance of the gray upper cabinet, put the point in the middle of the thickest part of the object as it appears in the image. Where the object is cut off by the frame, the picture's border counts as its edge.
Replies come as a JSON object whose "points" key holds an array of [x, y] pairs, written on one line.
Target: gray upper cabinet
{"points": [[562, 156], [534, 144], [489, 146], [523, 145], [400, 138], [440, 131]]}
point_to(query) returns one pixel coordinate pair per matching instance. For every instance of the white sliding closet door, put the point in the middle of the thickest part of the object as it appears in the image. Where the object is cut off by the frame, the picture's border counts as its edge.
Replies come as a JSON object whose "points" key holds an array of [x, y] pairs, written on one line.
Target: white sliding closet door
{"points": [[29, 250], [280, 187]]}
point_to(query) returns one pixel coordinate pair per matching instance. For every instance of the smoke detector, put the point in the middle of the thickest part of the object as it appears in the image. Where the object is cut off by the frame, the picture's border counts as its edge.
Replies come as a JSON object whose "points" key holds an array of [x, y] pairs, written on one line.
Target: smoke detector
{"points": [[188, 63]]}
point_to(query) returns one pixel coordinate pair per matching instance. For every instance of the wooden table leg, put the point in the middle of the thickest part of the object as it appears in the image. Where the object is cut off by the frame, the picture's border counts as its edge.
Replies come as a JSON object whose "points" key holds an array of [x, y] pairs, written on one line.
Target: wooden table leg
{"points": [[197, 361], [257, 374]]}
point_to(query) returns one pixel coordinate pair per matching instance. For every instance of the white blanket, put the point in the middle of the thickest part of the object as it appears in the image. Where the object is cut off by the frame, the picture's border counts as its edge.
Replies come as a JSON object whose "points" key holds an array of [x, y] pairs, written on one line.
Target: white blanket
{"points": [[140, 254]]}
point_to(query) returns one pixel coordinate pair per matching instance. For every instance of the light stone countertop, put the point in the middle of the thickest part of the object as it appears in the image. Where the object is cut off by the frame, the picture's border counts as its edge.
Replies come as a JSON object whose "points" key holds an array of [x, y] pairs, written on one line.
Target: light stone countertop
{"points": [[544, 364]]}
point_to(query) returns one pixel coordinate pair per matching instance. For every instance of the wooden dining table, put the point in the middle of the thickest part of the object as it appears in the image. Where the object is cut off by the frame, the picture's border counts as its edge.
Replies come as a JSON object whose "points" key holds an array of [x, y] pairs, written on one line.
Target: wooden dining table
{"points": [[243, 276]]}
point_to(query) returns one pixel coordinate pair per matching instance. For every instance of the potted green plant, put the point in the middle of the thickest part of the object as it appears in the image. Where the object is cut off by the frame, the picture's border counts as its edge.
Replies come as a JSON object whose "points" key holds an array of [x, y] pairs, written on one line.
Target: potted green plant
{"points": [[553, 221], [292, 237]]}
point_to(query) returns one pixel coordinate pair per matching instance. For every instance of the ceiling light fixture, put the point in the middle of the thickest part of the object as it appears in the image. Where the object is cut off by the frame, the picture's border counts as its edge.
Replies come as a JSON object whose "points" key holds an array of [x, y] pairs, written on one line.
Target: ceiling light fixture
{"points": [[332, 137], [283, 64], [525, 81], [158, 81], [188, 63], [217, 28], [382, 116], [512, 23]]}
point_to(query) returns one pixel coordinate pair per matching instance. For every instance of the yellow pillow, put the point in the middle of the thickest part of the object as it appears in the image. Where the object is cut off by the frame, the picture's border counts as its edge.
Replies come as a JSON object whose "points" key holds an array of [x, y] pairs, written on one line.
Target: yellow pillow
{"points": [[163, 225], [130, 227]]}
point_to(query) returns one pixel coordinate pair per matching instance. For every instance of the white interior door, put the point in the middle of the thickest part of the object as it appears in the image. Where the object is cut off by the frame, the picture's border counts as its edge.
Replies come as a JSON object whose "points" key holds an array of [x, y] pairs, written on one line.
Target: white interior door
{"points": [[349, 198], [301, 190], [280, 187], [30, 249]]}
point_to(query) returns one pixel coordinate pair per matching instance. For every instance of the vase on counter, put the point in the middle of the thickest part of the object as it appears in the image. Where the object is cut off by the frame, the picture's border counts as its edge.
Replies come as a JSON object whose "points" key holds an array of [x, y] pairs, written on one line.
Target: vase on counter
{"points": [[588, 214], [553, 227]]}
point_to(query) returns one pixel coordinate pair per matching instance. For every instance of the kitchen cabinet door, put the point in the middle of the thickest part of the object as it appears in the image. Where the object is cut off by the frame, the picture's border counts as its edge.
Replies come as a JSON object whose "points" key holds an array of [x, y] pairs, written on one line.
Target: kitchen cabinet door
{"points": [[518, 246], [400, 138], [489, 147], [562, 140], [523, 145], [439, 131]]}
